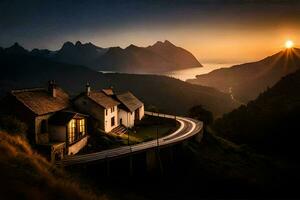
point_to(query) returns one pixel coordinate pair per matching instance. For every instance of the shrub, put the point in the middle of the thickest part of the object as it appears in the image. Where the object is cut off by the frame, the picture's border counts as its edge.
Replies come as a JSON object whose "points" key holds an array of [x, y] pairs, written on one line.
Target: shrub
{"points": [[11, 124], [199, 113]]}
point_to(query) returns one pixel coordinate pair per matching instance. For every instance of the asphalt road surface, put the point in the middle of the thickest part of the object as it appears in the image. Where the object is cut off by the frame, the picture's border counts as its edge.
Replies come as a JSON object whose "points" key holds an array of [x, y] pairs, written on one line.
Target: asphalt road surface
{"points": [[188, 128]]}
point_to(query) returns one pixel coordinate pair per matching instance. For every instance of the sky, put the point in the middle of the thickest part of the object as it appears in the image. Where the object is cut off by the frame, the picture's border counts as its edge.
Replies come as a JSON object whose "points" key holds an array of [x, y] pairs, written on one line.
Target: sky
{"points": [[215, 31]]}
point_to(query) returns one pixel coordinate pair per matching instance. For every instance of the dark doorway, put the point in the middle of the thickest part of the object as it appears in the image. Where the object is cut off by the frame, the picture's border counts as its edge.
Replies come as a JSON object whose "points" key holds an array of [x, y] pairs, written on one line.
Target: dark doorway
{"points": [[137, 114], [112, 121]]}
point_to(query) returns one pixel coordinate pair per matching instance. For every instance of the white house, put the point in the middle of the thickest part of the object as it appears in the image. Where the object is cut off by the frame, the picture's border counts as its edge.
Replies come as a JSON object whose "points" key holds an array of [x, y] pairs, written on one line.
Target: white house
{"points": [[101, 107], [110, 111], [130, 110]]}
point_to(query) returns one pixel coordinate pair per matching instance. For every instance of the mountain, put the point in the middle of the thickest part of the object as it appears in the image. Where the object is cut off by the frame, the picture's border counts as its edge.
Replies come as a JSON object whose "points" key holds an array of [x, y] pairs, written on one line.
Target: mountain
{"points": [[246, 81], [41, 53], [80, 54], [19, 71], [269, 124], [160, 57], [16, 49], [134, 59], [179, 56]]}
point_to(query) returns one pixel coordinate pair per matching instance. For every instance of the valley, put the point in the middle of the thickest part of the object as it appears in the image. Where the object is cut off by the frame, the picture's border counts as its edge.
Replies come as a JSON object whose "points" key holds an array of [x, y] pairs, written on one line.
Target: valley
{"points": [[149, 100]]}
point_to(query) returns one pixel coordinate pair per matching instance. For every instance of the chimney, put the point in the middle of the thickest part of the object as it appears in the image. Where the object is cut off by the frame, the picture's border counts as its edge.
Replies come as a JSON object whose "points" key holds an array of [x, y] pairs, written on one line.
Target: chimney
{"points": [[87, 88], [52, 88]]}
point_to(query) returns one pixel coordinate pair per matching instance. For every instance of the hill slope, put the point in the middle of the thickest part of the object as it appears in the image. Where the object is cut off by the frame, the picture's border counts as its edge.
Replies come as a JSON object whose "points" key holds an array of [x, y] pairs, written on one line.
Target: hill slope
{"points": [[160, 57], [26, 175], [168, 94], [250, 79], [270, 123]]}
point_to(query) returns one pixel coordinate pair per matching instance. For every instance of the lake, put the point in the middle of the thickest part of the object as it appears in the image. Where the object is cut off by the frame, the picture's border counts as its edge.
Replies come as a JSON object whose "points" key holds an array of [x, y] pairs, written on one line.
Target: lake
{"points": [[190, 73]]}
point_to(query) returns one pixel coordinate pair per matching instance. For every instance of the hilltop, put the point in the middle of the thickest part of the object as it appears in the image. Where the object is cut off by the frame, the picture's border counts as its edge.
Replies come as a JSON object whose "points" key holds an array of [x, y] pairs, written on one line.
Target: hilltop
{"points": [[247, 81]]}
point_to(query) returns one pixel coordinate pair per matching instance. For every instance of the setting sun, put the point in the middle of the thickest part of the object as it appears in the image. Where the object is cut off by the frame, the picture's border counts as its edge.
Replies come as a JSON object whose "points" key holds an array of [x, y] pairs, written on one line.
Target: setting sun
{"points": [[289, 44]]}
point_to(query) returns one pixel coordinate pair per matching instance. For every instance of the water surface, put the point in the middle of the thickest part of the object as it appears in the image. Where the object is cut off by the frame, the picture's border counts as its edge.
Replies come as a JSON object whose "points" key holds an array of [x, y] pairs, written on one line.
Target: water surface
{"points": [[189, 73]]}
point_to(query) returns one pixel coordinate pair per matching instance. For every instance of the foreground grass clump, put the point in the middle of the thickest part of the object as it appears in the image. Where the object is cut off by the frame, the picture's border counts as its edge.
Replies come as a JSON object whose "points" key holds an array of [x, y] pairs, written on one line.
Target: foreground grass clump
{"points": [[26, 175]]}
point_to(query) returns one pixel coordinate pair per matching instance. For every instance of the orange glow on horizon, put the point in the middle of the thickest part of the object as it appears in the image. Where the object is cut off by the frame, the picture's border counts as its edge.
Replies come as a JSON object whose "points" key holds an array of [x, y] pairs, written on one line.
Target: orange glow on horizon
{"points": [[289, 44]]}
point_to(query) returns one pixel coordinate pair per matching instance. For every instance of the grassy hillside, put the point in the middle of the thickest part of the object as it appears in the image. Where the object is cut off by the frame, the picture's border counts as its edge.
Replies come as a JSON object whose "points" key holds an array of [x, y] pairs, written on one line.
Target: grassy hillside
{"points": [[167, 94], [26, 175], [268, 124]]}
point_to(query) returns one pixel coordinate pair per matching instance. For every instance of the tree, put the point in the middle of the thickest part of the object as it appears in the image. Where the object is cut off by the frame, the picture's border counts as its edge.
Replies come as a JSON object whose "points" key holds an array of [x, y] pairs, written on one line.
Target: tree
{"points": [[199, 113]]}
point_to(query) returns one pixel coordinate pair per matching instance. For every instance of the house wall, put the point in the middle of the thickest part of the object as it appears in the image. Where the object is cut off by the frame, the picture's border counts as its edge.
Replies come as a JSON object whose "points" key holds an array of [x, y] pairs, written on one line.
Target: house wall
{"points": [[85, 105], [142, 112], [57, 133], [75, 148], [41, 138], [57, 152], [127, 118], [108, 116]]}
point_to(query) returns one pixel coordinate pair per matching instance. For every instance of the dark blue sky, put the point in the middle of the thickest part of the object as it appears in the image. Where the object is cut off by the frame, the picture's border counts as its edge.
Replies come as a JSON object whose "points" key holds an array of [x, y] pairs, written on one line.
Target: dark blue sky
{"points": [[196, 25]]}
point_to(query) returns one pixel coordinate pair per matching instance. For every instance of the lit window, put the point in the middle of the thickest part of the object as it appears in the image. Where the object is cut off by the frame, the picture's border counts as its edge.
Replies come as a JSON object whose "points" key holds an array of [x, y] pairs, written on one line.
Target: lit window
{"points": [[72, 130], [82, 126]]}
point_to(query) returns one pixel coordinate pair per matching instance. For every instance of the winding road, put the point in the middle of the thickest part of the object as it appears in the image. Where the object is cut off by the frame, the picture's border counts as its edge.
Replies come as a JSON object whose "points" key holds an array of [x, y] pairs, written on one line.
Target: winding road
{"points": [[188, 128]]}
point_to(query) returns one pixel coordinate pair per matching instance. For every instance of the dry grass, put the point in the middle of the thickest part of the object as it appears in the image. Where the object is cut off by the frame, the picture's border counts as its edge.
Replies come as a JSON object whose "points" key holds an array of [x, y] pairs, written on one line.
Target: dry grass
{"points": [[26, 175]]}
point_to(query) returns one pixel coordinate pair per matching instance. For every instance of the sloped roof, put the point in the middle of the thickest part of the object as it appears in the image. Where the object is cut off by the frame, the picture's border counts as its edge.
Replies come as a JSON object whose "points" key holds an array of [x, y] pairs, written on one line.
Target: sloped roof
{"points": [[64, 117], [108, 91], [129, 101], [102, 99], [40, 102]]}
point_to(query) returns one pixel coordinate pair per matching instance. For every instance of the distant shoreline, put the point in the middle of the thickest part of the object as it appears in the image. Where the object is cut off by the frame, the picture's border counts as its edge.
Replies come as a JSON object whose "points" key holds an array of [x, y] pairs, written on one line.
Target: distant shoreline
{"points": [[184, 74]]}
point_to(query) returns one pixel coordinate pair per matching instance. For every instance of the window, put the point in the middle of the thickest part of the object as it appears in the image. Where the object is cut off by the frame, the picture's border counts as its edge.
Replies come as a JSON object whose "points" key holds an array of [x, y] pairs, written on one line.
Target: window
{"points": [[44, 126], [112, 121], [112, 109], [105, 112], [72, 130], [82, 127]]}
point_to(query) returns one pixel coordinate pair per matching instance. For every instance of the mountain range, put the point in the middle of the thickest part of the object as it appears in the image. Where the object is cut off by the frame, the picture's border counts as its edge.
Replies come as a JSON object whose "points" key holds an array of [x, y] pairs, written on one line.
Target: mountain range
{"points": [[247, 81], [20, 69], [160, 57]]}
